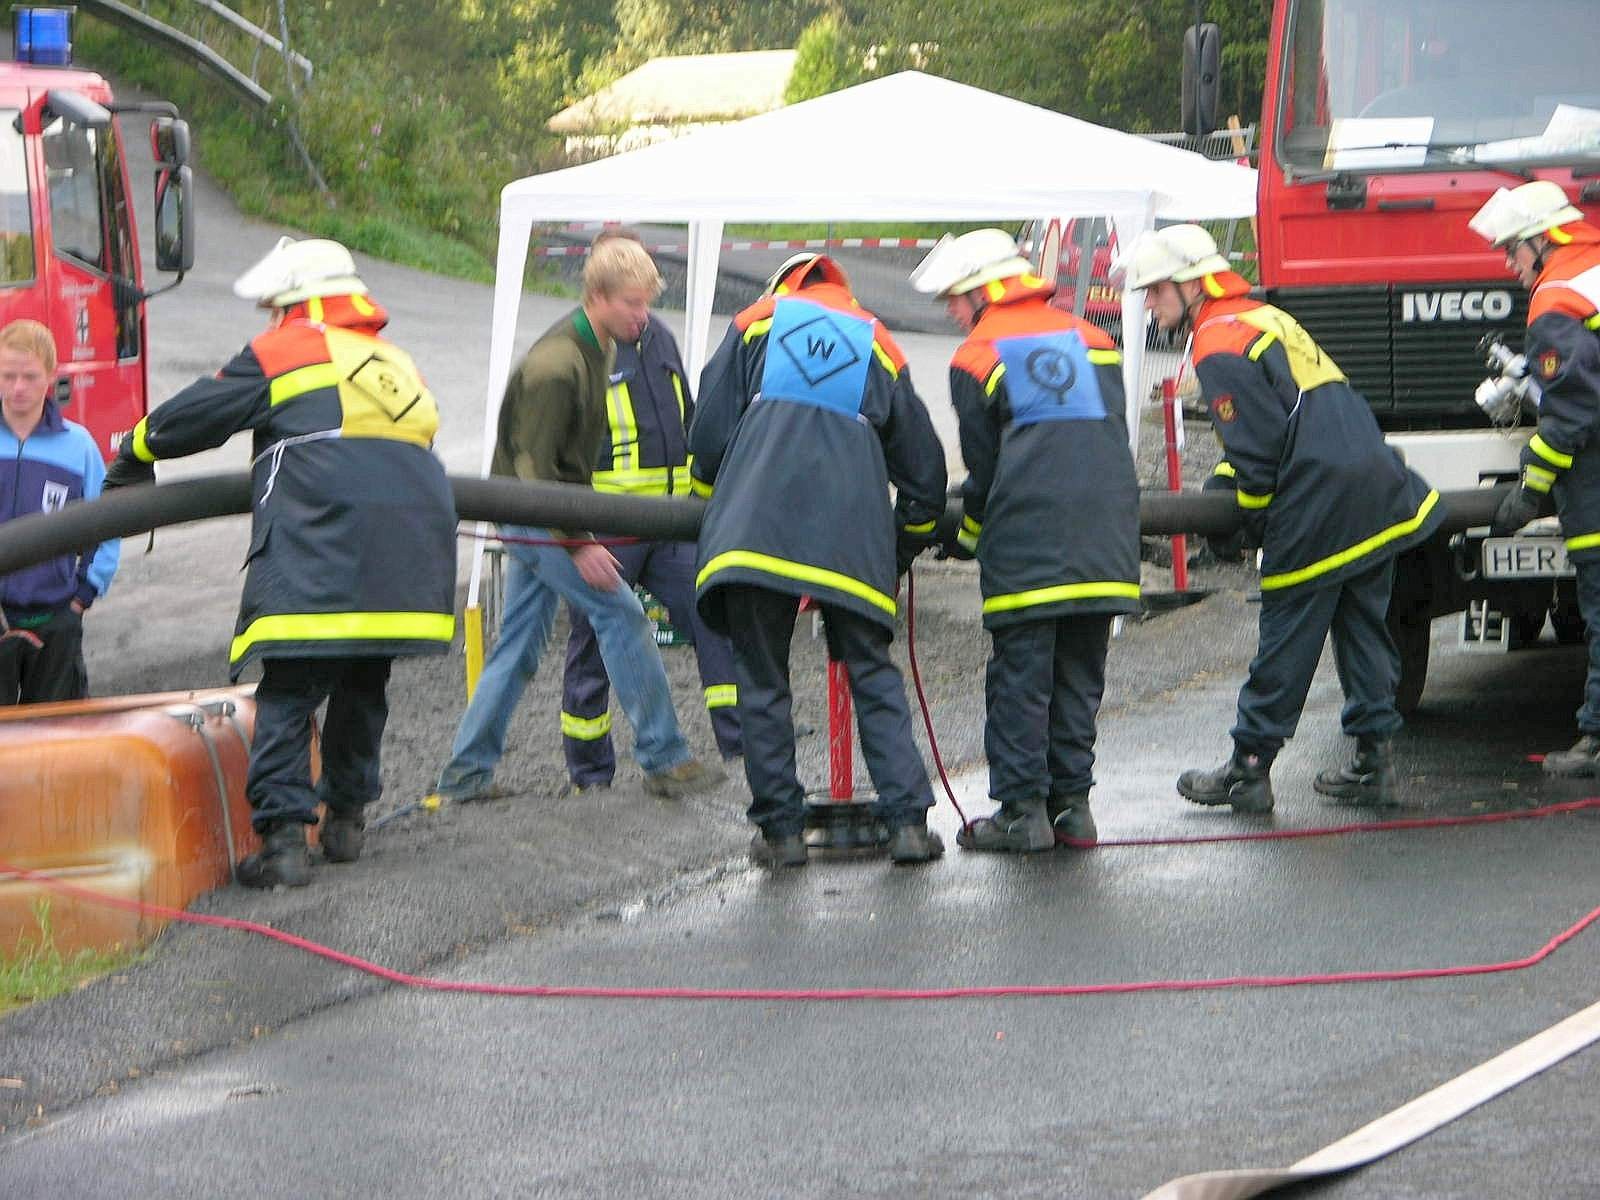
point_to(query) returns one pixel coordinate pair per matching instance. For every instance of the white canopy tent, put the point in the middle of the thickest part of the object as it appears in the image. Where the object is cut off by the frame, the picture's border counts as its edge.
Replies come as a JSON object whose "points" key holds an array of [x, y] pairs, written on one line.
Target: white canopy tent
{"points": [[907, 147]]}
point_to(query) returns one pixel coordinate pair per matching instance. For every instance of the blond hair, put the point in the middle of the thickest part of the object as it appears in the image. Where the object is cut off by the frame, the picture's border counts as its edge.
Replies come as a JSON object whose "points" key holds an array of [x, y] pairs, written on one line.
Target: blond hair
{"points": [[30, 337], [616, 263]]}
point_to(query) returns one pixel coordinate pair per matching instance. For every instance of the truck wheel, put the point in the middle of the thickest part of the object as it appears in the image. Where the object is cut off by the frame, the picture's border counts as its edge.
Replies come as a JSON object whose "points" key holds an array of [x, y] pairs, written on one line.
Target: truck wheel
{"points": [[1411, 638], [1568, 624]]}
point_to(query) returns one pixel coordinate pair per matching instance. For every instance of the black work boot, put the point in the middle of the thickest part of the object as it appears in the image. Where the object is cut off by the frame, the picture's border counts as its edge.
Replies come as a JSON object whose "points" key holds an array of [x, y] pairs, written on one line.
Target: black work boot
{"points": [[1016, 827], [1368, 780], [1072, 821], [778, 850], [914, 842], [1242, 782], [283, 860], [1582, 760], [343, 835]]}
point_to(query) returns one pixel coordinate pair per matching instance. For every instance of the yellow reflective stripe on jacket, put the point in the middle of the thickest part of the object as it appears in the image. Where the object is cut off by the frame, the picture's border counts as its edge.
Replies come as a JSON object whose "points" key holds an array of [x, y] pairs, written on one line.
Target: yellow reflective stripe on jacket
{"points": [[1260, 345], [1593, 322], [585, 729], [1537, 479], [1064, 591], [1250, 500], [885, 361], [757, 328], [722, 695], [650, 481], [994, 379], [302, 380], [141, 447], [1308, 364], [699, 487], [1549, 453], [623, 426], [801, 572], [1362, 548], [346, 627], [1584, 541], [921, 527], [677, 390], [1105, 358]]}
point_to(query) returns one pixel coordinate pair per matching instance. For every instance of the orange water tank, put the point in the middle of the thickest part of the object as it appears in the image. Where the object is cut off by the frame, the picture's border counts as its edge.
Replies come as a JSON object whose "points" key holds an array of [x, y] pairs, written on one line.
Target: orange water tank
{"points": [[139, 797]]}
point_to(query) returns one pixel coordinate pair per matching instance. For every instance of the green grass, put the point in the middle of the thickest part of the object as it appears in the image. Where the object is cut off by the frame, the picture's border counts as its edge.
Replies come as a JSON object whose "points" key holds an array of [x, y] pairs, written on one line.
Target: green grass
{"points": [[34, 969]]}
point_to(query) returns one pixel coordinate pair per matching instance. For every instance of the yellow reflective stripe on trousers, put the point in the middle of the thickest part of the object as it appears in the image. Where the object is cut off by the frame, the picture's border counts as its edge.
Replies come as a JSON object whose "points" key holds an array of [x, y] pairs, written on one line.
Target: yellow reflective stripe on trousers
{"points": [[1362, 548], [1537, 479], [722, 695], [803, 572], [1549, 453], [922, 527], [1584, 541], [585, 729], [1065, 591], [346, 627], [141, 448], [306, 379]]}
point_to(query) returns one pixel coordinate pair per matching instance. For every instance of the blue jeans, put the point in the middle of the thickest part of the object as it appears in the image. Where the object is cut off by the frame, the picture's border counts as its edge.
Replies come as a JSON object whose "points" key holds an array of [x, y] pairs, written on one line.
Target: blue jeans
{"points": [[537, 579]]}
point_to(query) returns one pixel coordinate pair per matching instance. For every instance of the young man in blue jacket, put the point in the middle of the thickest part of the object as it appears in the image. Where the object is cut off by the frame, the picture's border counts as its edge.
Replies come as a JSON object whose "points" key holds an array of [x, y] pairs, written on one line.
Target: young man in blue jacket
{"points": [[46, 462]]}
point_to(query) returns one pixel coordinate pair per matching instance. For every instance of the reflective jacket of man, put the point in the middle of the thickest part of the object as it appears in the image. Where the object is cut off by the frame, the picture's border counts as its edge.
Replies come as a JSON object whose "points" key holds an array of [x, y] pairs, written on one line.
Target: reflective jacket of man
{"points": [[806, 415], [648, 409], [1051, 501], [352, 545], [1322, 492], [1563, 351]]}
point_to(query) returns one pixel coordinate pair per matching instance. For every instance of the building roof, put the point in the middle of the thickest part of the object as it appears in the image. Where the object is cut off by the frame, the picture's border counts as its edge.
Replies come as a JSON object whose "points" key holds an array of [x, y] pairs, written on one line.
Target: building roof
{"points": [[690, 87]]}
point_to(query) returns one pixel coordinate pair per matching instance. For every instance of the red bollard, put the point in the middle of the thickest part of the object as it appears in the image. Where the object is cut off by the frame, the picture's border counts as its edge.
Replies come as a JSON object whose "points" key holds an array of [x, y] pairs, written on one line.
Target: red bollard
{"points": [[1180, 543], [841, 820], [841, 734]]}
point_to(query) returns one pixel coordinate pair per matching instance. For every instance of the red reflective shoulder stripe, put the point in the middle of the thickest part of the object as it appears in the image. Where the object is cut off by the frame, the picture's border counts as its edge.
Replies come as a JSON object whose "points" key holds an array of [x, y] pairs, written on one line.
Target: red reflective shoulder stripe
{"points": [[758, 311], [289, 347]]}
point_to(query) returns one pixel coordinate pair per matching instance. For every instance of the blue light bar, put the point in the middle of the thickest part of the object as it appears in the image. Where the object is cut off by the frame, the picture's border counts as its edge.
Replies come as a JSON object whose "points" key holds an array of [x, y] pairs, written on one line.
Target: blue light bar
{"points": [[43, 36]]}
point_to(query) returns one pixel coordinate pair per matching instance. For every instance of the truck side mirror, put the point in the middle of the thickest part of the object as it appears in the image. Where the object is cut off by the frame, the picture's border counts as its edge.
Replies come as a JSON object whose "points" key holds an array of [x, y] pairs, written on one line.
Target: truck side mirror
{"points": [[170, 144], [76, 108], [174, 221], [1202, 65]]}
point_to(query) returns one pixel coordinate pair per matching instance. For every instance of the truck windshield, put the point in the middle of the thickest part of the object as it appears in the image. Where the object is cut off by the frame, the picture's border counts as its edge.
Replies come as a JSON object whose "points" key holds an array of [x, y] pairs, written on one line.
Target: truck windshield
{"points": [[16, 225], [1375, 85]]}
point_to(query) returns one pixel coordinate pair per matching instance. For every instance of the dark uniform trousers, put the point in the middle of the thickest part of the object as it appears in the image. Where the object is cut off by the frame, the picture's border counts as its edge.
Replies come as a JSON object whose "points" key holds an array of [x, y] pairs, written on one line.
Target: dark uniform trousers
{"points": [[1043, 688], [1294, 625], [52, 670], [761, 626], [666, 569], [279, 782], [1589, 605]]}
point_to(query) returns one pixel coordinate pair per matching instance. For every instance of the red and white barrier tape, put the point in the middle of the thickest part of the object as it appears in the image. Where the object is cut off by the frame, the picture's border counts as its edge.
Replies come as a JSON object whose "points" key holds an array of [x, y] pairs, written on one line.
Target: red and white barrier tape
{"points": [[801, 244]]}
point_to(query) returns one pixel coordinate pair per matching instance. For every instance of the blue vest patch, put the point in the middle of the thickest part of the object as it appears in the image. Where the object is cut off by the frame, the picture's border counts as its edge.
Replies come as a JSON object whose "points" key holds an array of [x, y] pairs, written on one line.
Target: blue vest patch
{"points": [[817, 356], [1049, 378]]}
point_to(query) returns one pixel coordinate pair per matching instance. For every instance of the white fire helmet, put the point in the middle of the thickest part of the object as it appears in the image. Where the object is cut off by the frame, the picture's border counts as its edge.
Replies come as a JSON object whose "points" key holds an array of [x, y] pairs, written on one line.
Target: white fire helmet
{"points": [[1178, 253], [799, 268], [1514, 214], [956, 265], [294, 271]]}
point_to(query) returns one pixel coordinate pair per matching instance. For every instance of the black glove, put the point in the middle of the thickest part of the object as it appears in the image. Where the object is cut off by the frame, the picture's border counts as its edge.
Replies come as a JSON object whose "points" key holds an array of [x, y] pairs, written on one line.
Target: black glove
{"points": [[1253, 529], [1515, 511], [127, 471], [1225, 547], [905, 553]]}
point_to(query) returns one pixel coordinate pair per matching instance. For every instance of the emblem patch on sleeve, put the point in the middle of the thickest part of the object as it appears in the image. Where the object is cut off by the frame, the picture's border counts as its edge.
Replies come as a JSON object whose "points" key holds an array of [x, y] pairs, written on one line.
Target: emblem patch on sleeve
{"points": [[1549, 364], [1222, 407]]}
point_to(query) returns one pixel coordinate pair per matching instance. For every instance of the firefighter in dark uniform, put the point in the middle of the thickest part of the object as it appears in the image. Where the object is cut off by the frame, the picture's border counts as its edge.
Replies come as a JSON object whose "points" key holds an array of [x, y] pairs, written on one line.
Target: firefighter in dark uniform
{"points": [[352, 547], [645, 453], [1555, 254], [806, 416], [1329, 504], [1051, 509]]}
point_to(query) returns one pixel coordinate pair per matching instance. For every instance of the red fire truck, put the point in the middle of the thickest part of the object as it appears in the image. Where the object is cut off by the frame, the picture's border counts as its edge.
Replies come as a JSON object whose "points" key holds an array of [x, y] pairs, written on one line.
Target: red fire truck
{"points": [[69, 252], [1386, 124]]}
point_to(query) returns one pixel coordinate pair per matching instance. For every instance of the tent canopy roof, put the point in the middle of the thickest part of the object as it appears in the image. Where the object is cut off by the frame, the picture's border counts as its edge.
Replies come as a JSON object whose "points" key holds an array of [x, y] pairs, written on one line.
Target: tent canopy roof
{"points": [[904, 147]]}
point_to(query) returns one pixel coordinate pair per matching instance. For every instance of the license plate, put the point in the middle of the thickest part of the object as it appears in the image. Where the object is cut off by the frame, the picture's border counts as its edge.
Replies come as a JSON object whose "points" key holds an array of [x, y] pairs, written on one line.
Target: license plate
{"points": [[1525, 558]]}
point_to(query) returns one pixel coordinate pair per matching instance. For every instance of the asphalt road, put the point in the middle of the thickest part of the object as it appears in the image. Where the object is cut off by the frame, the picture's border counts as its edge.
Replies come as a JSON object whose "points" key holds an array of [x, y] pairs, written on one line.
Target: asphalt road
{"points": [[226, 1065]]}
